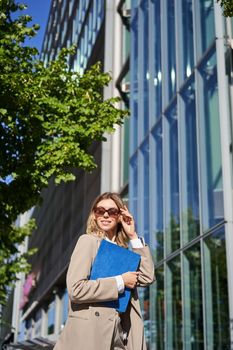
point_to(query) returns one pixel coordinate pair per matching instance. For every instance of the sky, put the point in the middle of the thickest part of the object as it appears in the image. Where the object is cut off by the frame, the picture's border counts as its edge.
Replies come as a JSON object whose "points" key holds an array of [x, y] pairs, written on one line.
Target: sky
{"points": [[39, 10]]}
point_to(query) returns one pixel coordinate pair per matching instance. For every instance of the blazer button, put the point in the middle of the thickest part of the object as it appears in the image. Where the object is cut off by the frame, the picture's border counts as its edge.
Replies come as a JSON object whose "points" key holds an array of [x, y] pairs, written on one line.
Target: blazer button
{"points": [[97, 313]]}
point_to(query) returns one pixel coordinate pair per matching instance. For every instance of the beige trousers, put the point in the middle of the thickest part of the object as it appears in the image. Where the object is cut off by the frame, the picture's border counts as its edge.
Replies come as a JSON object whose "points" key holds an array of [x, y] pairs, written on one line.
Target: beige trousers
{"points": [[118, 337]]}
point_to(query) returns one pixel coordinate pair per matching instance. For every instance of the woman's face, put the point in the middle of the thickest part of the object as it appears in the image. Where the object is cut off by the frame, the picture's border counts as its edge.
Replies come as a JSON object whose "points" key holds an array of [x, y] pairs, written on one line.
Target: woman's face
{"points": [[107, 214]]}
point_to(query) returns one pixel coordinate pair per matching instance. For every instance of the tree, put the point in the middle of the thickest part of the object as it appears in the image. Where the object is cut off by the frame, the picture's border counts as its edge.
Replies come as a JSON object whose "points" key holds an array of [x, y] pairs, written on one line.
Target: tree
{"points": [[227, 6], [49, 116]]}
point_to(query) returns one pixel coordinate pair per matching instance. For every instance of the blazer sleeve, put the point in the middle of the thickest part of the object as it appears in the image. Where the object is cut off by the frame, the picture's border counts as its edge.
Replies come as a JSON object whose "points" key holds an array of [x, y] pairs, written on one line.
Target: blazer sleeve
{"points": [[80, 288], [146, 267]]}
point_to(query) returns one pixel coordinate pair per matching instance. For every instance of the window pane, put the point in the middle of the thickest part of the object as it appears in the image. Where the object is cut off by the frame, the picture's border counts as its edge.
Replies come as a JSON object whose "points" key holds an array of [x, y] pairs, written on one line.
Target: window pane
{"points": [[144, 294], [38, 323], [134, 77], [51, 317], [65, 303], [190, 210], [22, 331], [29, 329], [171, 48], [211, 167], [172, 167], [145, 63], [134, 119], [207, 24], [174, 305], [158, 335], [146, 218], [134, 185], [193, 313], [126, 152], [126, 43], [157, 60], [216, 291], [187, 22], [158, 163]]}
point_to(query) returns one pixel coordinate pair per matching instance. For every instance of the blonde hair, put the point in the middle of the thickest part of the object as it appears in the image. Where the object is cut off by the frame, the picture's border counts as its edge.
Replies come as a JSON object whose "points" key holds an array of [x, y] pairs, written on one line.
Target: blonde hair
{"points": [[92, 227]]}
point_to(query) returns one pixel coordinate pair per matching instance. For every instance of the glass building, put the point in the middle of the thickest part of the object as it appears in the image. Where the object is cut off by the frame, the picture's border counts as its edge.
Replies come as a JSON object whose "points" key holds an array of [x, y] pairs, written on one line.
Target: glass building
{"points": [[71, 22], [172, 64], [180, 180]]}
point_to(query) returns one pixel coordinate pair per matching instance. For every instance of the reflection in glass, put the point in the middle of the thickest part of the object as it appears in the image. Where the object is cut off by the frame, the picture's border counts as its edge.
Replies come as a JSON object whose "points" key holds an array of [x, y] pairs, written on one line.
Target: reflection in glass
{"points": [[126, 43], [157, 328], [22, 331], [157, 60], [145, 86], [188, 52], [146, 218], [158, 163], [134, 185], [134, 76], [65, 304], [134, 43], [190, 211], [28, 329], [173, 305], [211, 148], [216, 291], [172, 216], [51, 317], [193, 309], [144, 294], [207, 24], [135, 118], [38, 323], [171, 48], [125, 152]]}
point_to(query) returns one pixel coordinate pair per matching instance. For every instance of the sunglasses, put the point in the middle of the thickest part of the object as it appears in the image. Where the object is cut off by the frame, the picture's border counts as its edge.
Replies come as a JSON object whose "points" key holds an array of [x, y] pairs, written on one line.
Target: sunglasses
{"points": [[112, 212]]}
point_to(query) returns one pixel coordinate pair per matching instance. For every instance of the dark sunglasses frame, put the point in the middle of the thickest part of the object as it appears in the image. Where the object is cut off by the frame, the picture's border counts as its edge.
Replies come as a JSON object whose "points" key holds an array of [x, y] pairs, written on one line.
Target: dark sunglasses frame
{"points": [[112, 212]]}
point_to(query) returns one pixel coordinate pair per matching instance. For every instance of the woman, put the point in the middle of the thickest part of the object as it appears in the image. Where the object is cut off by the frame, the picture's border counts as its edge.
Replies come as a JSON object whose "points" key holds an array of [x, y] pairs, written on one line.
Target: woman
{"points": [[90, 324]]}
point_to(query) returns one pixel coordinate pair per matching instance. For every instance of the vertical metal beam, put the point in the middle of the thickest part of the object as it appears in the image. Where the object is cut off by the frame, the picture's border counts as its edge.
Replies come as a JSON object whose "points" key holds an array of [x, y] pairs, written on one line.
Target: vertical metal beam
{"points": [[181, 147], [226, 141], [166, 190], [111, 149]]}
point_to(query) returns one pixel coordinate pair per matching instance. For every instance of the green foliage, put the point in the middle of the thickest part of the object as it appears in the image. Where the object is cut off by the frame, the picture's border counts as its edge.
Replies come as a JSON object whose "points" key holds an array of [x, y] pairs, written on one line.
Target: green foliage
{"points": [[227, 6], [49, 116], [11, 259]]}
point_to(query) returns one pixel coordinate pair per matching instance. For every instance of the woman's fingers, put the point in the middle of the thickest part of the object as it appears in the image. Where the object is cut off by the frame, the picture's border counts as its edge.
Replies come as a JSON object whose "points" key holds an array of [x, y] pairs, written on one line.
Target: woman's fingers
{"points": [[130, 279], [126, 216]]}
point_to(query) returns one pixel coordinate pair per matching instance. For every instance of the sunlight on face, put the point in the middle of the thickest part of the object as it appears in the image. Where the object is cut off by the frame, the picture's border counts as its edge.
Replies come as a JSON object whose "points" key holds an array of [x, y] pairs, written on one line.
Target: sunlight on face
{"points": [[107, 222]]}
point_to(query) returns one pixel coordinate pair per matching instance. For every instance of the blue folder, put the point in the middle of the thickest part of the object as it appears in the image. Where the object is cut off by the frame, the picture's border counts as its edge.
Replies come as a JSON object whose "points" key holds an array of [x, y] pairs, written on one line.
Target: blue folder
{"points": [[112, 260]]}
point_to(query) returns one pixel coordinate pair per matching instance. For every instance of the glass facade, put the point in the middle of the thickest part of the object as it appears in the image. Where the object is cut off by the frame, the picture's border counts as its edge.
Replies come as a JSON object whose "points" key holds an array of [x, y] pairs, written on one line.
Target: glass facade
{"points": [[73, 23], [175, 177]]}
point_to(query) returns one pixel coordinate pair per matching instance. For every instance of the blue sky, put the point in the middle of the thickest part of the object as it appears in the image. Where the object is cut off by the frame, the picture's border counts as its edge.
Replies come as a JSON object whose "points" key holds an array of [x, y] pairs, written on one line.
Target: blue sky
{"points": [[39, 10]]}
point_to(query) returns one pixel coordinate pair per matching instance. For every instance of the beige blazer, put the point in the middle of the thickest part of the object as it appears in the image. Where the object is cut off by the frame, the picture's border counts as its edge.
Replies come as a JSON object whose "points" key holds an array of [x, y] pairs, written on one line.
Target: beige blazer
{"points": [[90, 325]]}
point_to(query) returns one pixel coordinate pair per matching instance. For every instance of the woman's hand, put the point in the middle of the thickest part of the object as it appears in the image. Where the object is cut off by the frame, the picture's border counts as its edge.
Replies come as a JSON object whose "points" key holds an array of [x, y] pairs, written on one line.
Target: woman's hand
{"points": [[127, 222], [130, 279]]}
